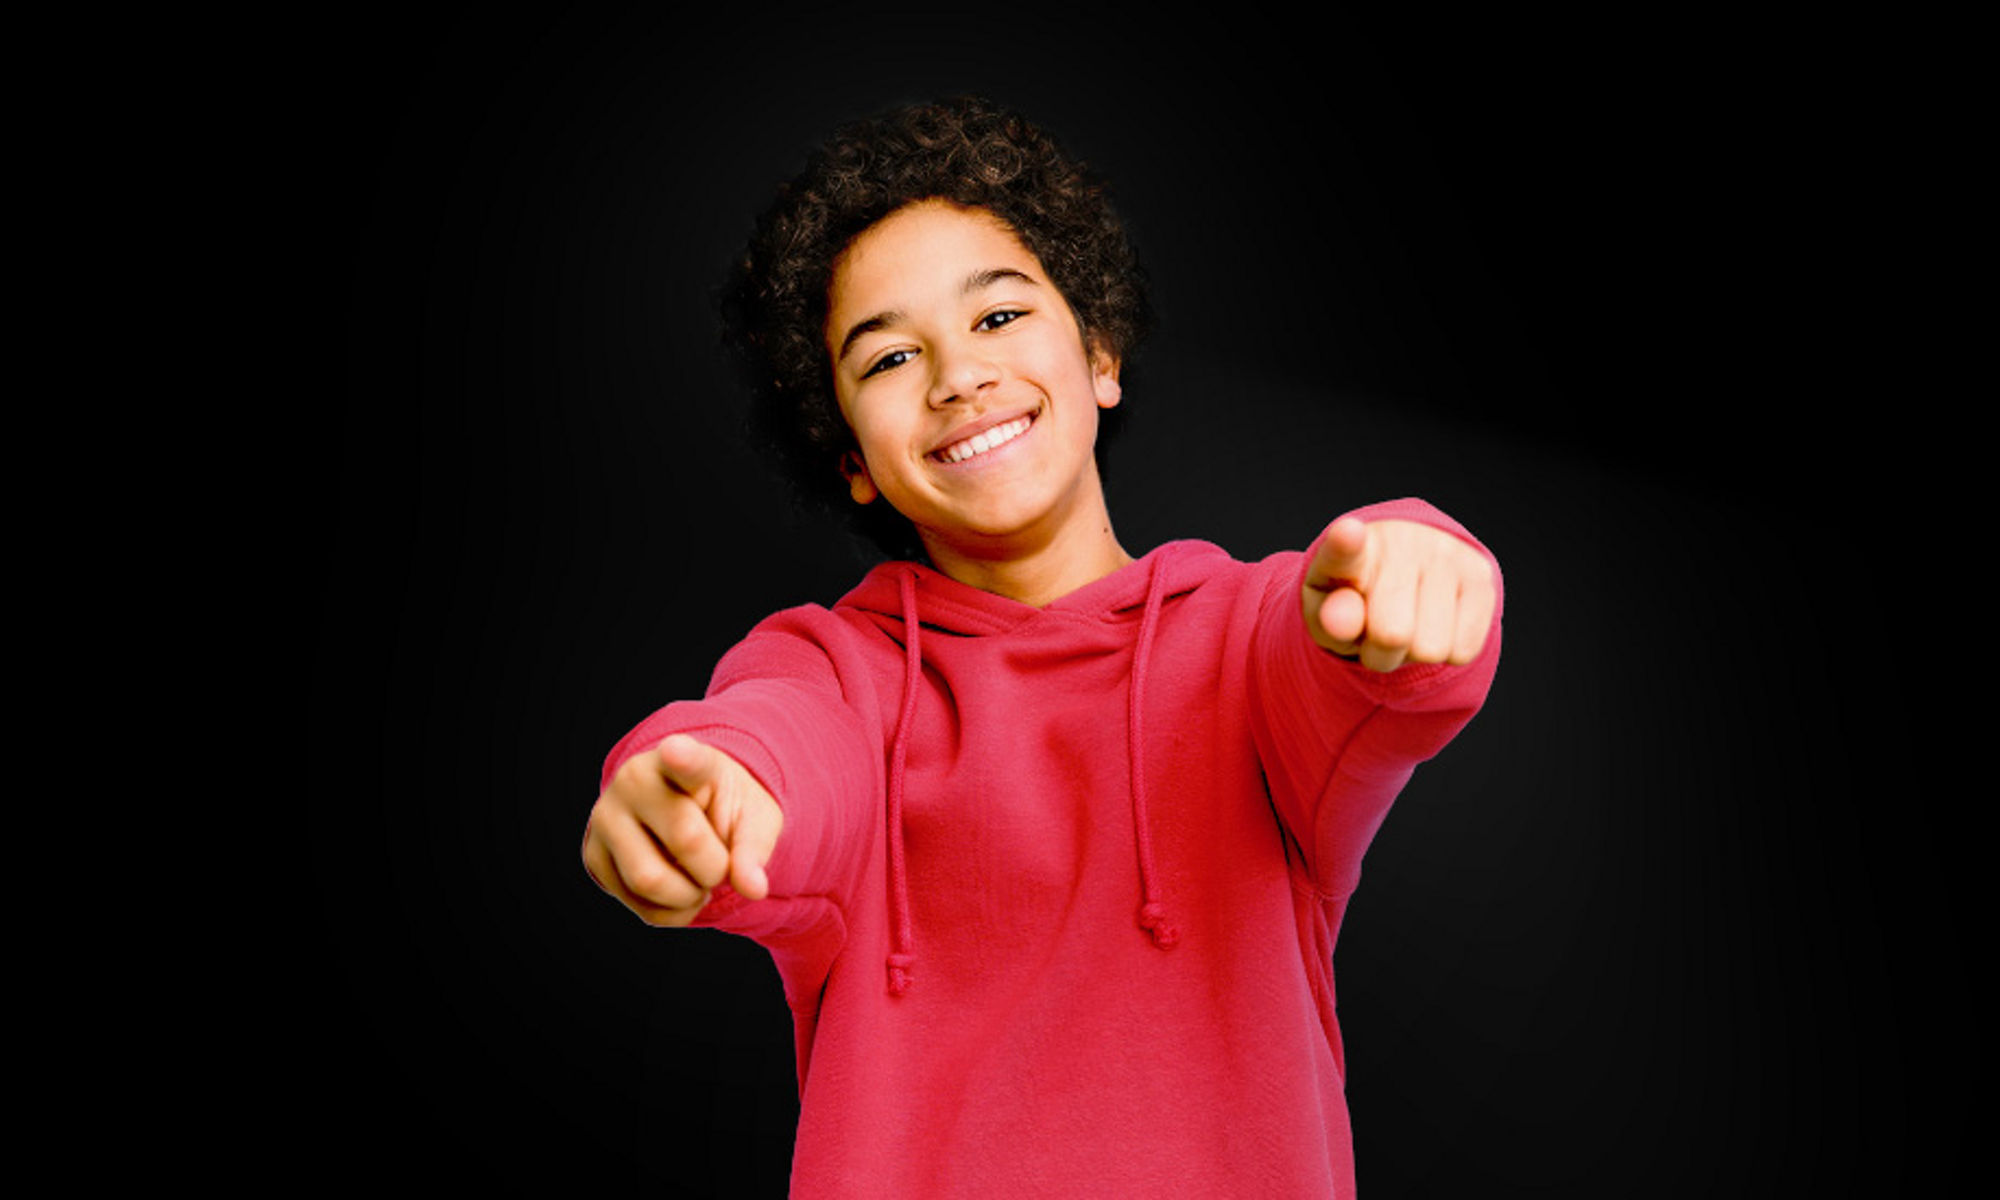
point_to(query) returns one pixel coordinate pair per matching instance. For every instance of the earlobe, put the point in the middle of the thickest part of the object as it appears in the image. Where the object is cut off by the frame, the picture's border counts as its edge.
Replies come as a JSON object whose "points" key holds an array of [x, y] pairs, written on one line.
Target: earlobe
{"points": [[860, 484], [1104, 377]]}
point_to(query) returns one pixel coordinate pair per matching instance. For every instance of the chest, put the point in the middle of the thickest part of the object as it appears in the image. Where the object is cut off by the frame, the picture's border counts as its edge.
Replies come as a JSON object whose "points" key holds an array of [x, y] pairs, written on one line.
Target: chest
{"points": [[1025, 762]]}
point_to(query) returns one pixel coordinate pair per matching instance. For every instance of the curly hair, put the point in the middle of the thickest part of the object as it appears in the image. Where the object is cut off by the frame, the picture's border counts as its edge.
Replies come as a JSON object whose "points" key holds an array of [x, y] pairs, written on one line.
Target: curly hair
{"points": [[966, 151]]}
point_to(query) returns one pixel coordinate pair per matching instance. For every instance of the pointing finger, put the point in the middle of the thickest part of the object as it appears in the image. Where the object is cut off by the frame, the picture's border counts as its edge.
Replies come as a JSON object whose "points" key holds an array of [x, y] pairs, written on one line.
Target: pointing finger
{"points": [[1342, 556], [689, 766]]}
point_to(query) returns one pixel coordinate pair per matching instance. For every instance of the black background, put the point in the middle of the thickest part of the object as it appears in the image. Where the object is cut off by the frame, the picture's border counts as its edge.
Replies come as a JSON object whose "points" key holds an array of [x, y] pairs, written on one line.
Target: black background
{"points": [[1642, 930]]}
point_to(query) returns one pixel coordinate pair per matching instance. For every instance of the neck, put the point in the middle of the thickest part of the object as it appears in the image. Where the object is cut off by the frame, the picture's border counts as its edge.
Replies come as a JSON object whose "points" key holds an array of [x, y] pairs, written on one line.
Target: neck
{"points": [[1037, 574]]}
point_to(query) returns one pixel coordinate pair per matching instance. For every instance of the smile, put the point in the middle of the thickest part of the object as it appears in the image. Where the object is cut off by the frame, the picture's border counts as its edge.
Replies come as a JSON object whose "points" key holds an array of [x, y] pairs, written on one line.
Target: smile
{"points": [[980, 443]]}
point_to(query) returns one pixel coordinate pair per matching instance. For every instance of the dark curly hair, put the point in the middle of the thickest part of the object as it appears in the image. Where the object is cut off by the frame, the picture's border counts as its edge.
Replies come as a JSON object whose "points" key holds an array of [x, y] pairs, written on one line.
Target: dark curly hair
{"points": [[969, 152]]}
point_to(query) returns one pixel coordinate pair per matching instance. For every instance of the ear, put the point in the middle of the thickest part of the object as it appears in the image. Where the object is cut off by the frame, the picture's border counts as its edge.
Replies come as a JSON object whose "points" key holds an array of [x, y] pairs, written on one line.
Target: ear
{"points": [[860, 484], [1104, 375]]}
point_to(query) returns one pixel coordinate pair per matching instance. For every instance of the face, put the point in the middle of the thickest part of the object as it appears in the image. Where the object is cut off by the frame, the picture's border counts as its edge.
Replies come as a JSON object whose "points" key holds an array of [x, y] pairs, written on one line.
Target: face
{"points": [[965, 378]]}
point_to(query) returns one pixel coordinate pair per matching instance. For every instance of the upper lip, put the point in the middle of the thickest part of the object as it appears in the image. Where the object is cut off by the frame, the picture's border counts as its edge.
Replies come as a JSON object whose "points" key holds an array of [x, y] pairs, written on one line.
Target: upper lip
{"points": [[979, 425]]}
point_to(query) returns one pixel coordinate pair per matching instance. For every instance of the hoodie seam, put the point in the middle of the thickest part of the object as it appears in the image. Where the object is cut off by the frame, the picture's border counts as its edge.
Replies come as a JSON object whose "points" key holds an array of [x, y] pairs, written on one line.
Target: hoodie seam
{"points": [[1328, 805]]}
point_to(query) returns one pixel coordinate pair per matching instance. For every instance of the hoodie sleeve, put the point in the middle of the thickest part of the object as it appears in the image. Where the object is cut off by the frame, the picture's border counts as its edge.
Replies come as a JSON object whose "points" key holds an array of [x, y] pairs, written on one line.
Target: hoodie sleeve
{"points": [[779, 704], [1338, 741]]}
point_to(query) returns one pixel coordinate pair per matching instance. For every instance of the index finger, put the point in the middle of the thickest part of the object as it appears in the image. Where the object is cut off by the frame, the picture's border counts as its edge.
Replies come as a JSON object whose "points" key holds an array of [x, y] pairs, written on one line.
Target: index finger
{"points": [[1342, 555], [688, 766]]}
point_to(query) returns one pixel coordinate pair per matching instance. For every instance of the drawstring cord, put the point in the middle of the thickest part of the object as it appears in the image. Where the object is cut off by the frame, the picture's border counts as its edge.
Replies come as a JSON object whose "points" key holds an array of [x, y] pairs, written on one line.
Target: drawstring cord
{"points": [[1153, 912], [900, 957]]}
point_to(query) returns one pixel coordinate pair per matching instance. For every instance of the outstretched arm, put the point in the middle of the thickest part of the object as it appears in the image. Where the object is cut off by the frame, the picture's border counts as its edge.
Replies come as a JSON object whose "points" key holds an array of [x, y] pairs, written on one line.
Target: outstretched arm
{"points": [[1405, 590], [675, 822], [1390, 592]]}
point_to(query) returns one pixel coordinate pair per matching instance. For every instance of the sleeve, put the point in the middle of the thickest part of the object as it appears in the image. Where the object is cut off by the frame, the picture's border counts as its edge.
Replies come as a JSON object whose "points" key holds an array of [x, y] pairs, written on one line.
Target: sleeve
{"points": [[779, 705], [1338, 741]]}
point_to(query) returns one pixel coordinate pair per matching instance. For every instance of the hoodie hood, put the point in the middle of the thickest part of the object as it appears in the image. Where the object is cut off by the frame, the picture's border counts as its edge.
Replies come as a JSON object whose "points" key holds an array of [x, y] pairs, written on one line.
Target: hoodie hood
{"points": [[914, 597], [946, 605]]}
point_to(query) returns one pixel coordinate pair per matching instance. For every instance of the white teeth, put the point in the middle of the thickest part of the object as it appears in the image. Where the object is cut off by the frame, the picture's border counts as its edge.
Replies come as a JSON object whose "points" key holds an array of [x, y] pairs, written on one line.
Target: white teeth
{"points": [[978, 444]]}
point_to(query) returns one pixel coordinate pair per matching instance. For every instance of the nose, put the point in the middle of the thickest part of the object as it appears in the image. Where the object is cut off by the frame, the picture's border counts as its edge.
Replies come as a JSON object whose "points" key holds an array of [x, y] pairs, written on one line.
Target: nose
{"points": [[961, 371]]}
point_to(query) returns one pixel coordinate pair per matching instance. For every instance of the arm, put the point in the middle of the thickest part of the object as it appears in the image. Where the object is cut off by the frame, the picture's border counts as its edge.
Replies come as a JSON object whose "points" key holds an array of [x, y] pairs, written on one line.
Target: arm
{"points": [[754, 809], [766, 789], [1370, 658]]}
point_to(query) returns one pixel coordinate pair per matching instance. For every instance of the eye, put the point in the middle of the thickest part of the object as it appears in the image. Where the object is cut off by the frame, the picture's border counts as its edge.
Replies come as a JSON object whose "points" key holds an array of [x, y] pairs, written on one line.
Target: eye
{"points": [[994, 320], [888, 362]]}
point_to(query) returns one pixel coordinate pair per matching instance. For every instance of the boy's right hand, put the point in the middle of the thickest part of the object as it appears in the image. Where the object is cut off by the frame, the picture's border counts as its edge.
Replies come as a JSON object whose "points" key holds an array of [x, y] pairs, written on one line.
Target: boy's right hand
{"points": [[675, 822]]}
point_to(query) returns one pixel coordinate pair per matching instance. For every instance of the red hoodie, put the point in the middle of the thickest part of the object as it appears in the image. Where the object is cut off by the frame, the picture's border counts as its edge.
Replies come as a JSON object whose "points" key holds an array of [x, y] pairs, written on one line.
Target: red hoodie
{"points": [[1057, 893]]}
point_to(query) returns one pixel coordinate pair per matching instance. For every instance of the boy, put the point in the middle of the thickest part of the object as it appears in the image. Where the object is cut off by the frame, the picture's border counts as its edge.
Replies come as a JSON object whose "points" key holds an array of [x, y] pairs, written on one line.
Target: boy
{"points": [[1050, 845]]}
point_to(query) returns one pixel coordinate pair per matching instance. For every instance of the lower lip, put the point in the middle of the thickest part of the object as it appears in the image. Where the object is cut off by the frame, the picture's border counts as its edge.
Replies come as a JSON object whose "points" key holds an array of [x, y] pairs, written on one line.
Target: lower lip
{"points": [[997, 452]]}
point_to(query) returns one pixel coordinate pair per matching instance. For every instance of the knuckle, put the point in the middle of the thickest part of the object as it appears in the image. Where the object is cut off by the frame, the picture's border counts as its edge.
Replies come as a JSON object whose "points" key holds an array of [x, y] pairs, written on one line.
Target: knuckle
{"points": [[687, 829], [1391, 635], [630, 777], [594, 862], [659, 883], [1432, 641]]}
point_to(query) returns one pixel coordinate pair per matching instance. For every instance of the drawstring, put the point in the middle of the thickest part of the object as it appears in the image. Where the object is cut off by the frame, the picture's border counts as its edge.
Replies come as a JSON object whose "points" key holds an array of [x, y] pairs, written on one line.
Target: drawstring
{"points": [[1153, 912], [900, 958]]}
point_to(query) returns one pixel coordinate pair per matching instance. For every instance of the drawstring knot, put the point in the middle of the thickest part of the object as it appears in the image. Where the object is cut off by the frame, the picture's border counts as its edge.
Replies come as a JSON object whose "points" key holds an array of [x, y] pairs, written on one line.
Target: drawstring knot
{"points": [[899, 973]]}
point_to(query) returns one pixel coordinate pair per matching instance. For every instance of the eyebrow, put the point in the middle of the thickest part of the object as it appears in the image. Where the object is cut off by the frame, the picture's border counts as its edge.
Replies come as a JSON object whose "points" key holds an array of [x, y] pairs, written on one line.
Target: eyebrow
{"points": [[974, 282]]}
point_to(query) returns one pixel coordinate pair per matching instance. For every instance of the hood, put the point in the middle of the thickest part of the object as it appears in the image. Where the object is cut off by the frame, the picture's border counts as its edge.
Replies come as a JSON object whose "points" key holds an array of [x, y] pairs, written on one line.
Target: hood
{"points": [[947, 605]]}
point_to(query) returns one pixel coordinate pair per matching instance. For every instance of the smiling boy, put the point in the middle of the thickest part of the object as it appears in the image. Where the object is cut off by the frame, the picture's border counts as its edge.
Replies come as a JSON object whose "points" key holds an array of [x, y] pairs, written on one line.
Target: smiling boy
{"points": [[1050, 845], [973, 401]]}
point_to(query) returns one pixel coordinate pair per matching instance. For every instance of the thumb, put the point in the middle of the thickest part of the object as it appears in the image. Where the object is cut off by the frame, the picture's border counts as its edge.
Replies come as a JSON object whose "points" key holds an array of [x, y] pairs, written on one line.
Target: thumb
{"points": [[1343, 615], [751, 844], [740, 811]]}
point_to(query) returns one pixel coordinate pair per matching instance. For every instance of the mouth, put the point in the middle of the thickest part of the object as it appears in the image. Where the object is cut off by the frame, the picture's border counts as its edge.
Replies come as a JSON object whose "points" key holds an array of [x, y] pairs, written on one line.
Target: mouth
{"points": [[985, 441]]}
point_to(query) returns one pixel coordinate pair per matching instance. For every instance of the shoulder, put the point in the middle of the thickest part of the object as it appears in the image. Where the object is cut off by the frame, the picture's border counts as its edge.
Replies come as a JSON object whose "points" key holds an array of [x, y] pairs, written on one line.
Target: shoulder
{"points": [[1198, 567], [1217, 581], [817, 641], [801, 636]]}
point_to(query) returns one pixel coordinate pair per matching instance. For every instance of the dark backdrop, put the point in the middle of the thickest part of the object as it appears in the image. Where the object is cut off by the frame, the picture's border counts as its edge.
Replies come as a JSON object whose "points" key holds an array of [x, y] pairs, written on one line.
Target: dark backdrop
{"points": [[1632, 934]]}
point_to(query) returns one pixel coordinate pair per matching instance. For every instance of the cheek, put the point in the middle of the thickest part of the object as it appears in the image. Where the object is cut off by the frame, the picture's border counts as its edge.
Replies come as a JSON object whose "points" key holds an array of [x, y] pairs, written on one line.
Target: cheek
{"points": [[879, 439], [852, 414], [1062, 361]]}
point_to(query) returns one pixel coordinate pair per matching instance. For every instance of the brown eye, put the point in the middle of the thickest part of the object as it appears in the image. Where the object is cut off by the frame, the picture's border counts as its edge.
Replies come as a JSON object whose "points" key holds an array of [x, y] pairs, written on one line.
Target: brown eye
{"points": [[994, 320], [888, 362]]}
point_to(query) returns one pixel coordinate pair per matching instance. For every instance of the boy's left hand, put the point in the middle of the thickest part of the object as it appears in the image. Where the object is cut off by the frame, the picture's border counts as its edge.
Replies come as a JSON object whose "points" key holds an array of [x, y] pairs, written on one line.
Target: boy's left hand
{"points": [[1391, 592]]}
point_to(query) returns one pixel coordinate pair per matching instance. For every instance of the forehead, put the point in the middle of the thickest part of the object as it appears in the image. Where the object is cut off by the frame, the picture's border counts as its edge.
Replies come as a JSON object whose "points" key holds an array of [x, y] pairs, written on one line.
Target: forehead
{"points": [[929, 242]]}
